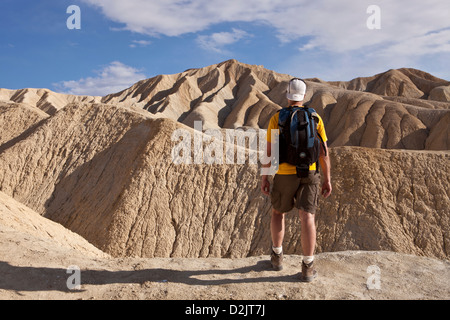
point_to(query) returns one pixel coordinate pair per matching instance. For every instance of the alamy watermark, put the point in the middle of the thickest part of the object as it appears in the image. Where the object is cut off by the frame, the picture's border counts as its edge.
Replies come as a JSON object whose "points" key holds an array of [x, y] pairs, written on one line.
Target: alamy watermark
{"points": [[74, 20], [374, 20], [374, 280], [74, 281], [225, 146]]}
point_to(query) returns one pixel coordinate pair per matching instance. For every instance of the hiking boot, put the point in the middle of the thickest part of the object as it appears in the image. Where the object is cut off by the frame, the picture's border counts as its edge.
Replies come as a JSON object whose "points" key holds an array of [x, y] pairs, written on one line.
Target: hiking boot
{"points": [[308, 272], [277, 261]]}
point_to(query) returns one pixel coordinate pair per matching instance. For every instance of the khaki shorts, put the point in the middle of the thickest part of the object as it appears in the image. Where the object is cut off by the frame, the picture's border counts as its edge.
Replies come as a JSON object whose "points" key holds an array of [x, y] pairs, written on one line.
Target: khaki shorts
{"points": [[289, 191]]}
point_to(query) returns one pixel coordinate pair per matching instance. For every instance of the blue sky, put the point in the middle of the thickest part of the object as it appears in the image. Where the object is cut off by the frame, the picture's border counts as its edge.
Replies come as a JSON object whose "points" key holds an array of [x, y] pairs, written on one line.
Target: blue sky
{"points": [[121, 42]]}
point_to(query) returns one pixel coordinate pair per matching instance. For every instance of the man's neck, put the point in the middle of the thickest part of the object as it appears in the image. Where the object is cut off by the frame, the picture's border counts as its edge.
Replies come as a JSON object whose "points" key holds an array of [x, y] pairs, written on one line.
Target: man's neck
{"points": [[295, 103]]}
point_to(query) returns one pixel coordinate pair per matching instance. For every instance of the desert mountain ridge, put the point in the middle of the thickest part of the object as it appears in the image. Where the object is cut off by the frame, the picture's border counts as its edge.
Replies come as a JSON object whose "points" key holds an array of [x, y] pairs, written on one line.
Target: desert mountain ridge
{"points": [[91, 181], [398, 109]]}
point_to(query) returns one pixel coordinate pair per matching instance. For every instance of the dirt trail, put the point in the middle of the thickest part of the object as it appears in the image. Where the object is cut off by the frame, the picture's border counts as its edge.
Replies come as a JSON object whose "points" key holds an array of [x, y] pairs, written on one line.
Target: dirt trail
{"points": [[36, 269]]}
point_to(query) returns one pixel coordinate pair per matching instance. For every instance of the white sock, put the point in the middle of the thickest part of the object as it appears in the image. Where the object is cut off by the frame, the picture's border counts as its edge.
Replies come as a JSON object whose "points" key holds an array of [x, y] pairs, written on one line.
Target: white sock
{"points": [[308, 259], [277, 250]]}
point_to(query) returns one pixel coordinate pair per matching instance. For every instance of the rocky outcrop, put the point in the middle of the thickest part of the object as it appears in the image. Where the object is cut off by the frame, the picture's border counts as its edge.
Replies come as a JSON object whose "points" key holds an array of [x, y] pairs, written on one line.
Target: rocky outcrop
{"points": [[440, 93], [17, 119], [396, 200]]}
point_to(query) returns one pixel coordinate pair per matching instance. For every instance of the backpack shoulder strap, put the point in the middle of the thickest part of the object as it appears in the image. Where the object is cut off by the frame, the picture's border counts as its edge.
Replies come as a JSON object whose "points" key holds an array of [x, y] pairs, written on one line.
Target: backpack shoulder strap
{"points": [[285, 113], [311, 111]]}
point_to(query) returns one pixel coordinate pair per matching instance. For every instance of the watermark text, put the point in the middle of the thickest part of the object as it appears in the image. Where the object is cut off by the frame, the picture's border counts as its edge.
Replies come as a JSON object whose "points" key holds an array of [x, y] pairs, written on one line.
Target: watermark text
{"points": [[374, 20], [374, 280], [74, 281], [74, 20], [225, 146]]}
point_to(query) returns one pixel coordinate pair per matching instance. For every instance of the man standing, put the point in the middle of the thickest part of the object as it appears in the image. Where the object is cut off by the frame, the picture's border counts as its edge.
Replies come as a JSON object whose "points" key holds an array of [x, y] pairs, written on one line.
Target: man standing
{"points": [[289, 190]]}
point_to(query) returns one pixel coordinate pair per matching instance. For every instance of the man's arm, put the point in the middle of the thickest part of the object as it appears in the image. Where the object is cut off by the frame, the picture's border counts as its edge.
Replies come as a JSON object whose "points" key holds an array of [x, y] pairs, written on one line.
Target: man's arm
{"points": [[325, 164]]}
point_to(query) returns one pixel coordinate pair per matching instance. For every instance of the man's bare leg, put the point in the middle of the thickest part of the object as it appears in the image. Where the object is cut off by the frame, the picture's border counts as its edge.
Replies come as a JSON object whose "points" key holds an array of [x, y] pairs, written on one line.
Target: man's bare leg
{"points": [[308, 233], [277, 228]]}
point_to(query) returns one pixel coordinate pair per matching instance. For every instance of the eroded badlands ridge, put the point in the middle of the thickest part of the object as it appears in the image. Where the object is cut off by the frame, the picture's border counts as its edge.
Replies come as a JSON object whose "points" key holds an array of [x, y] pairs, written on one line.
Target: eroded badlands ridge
{"points": [[120, 190], [398, 109]]}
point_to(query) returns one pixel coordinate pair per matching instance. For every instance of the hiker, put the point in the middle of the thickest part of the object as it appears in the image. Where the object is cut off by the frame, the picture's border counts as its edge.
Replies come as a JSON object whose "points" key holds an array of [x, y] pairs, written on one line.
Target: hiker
{"points": [[293, 188]]}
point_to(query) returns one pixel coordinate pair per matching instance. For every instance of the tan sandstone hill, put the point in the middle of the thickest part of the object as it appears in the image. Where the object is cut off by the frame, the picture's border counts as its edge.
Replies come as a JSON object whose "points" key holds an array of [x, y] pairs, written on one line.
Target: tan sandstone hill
{"points": [[20, 224], [17, 119], [44, 99], [408, 83]]}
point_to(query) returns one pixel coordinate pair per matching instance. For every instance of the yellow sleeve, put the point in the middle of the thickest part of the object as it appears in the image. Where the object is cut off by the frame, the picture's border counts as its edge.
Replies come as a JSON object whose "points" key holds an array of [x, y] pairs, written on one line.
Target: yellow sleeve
{"points": [[321, 130], [273, 125]]}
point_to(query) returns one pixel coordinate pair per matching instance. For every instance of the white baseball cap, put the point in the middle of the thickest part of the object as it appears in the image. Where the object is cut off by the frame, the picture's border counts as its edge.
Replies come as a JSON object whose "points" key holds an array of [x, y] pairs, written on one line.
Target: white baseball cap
{"points": [[296, 90]]}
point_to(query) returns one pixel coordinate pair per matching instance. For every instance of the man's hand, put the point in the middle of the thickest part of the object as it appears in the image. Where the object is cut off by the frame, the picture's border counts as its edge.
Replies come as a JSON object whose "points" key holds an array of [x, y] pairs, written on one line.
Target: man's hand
{"points": [[265, 186], [326, 189], [326, 168]]}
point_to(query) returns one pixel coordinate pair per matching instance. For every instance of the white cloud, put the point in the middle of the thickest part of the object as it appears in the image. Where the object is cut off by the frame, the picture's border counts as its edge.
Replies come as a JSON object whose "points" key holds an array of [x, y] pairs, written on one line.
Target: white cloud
{"points": [[412, 32], [111, 79], [217, 41], [336, 26], [175, 17], [431, 43], [140, 43]]}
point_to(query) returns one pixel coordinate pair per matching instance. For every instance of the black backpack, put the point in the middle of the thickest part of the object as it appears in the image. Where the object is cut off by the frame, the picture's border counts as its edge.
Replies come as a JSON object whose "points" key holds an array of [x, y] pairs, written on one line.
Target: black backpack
{"points": [[300, 142]]}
